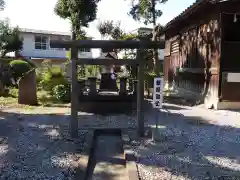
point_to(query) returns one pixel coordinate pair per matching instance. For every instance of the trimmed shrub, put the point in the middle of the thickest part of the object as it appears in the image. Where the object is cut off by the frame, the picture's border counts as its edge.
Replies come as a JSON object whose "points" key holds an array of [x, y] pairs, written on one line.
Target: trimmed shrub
{"points": [[48, 77], [30, 62], [19, 68], [62, 92], [51, 79]]}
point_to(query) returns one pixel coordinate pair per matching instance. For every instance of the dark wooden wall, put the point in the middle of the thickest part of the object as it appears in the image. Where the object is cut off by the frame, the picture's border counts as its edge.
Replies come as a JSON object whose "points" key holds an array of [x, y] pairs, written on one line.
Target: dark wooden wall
{"points": [[198, 56], [195, 53], [230, 63]]}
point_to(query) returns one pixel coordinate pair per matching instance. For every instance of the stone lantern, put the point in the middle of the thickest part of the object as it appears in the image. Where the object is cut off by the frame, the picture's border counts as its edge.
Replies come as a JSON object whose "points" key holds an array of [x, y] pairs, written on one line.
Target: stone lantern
{"points": [[108, 75]]}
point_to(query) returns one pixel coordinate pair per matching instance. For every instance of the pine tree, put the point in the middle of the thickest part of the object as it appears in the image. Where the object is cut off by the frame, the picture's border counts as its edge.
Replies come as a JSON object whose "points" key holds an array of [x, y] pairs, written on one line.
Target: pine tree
{"points": [[147, 12]]}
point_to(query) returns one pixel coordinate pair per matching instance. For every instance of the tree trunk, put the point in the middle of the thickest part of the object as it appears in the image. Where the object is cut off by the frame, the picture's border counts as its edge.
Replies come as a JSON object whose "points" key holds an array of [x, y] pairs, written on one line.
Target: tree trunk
{"points": [[156, 64], [154, 38]]}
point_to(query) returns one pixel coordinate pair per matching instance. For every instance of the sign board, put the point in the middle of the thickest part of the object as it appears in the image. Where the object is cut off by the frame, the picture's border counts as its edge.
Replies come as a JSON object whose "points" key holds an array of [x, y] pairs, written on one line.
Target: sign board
{"points": [[158, 92], [233, 77]]}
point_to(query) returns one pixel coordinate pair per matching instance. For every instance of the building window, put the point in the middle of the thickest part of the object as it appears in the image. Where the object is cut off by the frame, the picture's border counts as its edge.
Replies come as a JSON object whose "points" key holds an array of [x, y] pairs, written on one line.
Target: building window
{"points": [[84, 50], [41, 42], [58, 38]]}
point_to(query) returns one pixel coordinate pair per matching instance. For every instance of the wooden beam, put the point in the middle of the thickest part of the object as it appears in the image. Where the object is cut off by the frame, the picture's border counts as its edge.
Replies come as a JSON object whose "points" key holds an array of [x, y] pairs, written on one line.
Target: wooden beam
{"points": [[74, 94], [88, 61], [109, 44]]}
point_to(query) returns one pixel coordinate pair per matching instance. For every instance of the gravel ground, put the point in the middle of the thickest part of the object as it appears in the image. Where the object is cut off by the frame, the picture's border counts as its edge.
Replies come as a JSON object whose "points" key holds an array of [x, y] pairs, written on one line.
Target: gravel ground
{"points": [[37, 147], [195, 144], [98, 121]]}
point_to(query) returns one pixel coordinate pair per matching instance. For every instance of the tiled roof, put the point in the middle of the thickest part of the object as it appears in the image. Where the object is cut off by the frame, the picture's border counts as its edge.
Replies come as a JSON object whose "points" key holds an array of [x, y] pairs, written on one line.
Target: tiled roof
{"points": [[186, 11], [191, 8]]}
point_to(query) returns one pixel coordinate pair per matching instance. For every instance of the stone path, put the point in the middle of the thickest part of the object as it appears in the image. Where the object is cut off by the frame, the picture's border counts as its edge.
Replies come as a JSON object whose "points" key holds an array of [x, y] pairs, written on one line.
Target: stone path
{"points": [[109, 159]]}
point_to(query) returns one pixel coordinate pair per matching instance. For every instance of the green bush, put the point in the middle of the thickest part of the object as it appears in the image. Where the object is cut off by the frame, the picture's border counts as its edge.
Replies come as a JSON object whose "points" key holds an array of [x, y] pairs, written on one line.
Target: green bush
{"points": [[62, 92], [51, 79], [149, 78], [19, 68], [48, 77], [39, 75], [30, 63]]}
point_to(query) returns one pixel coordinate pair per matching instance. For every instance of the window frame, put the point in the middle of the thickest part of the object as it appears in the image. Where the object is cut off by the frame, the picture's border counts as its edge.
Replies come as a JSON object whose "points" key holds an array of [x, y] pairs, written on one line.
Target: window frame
{"points": [[85, 50], [60, 38], [41, 43]]}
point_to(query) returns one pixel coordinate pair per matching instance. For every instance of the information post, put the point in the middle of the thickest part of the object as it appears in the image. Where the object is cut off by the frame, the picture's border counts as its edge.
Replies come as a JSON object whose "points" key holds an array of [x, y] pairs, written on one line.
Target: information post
{"points": [[157, 102]]}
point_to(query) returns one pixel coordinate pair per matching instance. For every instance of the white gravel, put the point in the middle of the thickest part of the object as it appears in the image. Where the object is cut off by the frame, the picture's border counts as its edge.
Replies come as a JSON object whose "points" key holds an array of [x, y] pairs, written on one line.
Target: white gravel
{"points": [[195, 145], [111, 121], [36, 147]]}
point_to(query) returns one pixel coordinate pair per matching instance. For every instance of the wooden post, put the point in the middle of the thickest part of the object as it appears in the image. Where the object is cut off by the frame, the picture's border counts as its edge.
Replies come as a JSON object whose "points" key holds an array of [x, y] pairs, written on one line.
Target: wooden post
{"points": [[140, 94], [74, 94]]}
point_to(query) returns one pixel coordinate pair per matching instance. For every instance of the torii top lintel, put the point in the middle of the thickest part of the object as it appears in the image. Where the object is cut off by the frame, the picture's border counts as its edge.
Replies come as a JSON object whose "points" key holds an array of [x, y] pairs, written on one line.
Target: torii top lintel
{"points": [[109, 44]]}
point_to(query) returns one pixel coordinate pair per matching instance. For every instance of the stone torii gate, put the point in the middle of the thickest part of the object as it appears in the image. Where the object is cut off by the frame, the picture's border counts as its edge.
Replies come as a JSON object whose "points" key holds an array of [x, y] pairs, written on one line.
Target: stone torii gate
{"points": [[140, 45]]}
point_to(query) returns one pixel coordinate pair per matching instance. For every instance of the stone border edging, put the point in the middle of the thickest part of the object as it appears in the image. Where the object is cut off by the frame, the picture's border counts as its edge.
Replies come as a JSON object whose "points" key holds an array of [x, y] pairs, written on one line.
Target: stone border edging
{"points": [[131, 166], [83, 162]]}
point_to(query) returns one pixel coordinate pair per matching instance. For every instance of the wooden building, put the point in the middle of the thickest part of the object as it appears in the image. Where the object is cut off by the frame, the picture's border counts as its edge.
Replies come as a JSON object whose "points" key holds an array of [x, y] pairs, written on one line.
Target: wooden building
{"points": [[202, 52]]}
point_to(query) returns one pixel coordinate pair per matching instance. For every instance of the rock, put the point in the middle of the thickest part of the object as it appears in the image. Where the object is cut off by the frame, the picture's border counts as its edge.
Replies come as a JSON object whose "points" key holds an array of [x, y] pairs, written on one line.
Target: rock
{"points": [[27, 93]]}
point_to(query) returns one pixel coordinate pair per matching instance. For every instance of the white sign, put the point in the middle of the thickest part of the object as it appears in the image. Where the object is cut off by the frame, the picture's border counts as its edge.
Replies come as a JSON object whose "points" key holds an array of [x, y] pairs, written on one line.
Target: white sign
{"points": [[233, 77], [158, 92]]}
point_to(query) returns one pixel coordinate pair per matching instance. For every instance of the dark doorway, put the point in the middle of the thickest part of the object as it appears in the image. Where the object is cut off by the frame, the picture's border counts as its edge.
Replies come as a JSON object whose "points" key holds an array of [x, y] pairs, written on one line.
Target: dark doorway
{"points": [[231, 27], [230, 56], [230, 42]]}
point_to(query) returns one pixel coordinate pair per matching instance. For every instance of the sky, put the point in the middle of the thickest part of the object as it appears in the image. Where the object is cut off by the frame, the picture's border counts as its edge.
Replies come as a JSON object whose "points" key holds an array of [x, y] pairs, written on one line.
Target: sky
{"points": [[39, 14]]}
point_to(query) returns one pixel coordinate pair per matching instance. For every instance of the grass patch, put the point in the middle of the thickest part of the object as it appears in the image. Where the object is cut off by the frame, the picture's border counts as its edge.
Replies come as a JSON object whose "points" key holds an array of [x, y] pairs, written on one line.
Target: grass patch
{"points": [[44, 99]]}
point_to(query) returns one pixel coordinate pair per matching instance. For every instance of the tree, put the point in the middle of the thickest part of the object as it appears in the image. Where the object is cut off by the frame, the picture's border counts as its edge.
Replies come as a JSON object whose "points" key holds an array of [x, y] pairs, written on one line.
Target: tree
{"points": [[9, 39], [146, 11], [2, 5], [79, 12], [110, 30]]}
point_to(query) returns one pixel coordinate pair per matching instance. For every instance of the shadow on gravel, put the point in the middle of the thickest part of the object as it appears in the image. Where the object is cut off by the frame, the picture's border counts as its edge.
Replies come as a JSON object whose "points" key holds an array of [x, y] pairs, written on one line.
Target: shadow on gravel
{"points": [[171, 107], [192, 148], [39, 147], [181, 101]]}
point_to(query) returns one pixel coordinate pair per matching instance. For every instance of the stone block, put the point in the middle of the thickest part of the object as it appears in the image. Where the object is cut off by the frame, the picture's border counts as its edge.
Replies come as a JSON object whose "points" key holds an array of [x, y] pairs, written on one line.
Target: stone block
{"points": [[27, 93]]}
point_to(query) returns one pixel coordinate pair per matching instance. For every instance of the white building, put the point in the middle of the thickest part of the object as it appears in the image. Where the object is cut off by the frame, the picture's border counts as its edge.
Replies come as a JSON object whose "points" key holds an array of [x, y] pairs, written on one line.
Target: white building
{"points": [[36, 46]]}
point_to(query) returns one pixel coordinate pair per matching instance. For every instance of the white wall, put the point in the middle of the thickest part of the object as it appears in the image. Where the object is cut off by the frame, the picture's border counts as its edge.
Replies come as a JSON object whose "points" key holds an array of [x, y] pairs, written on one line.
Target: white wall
{"points": [[85, 54], [30, 51]]}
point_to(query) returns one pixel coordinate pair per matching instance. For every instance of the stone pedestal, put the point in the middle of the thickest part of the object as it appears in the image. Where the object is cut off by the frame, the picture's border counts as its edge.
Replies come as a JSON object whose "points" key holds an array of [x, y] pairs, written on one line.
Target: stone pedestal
{"points": [[27, 93], [123, 86], [92, 85]]}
